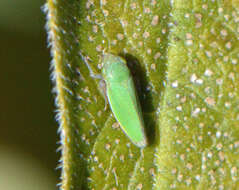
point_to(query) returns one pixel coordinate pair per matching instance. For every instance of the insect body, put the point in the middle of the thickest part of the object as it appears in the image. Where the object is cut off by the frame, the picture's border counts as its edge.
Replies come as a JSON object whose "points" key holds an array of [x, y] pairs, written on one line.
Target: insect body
{"points": [[123, 98]]}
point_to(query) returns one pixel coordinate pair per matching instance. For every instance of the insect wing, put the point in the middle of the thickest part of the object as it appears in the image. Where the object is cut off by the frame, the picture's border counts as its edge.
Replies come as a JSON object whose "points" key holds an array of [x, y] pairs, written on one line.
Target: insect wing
{"points": [[125, 106]]}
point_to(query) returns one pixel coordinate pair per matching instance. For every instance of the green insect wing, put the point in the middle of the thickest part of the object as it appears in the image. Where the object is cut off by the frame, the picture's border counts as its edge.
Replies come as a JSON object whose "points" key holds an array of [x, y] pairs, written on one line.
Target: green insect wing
{"points": [[123, 98]]}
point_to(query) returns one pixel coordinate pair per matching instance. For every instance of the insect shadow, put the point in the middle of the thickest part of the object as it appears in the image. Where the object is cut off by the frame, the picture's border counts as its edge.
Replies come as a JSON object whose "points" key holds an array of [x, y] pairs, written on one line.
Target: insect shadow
{"points": [[144, 95]]}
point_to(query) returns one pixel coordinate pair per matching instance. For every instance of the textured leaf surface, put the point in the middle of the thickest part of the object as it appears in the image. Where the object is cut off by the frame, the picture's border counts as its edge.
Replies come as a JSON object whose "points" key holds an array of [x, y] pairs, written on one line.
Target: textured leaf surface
{"points": [[185, 59]]}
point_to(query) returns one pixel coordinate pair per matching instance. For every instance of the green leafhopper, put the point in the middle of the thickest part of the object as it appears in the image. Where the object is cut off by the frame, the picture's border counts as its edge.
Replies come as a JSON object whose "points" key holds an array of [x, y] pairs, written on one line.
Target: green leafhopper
{"points": [[123, 99]]}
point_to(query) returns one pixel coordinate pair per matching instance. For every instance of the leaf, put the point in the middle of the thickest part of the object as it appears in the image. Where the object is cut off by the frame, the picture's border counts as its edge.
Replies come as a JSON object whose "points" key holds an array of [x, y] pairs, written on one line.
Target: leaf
{"points": [[185, 59]]}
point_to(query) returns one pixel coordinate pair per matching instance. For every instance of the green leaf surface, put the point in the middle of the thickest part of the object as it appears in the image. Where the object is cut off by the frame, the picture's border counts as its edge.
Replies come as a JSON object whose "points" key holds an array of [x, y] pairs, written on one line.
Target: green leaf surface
{"points": [[184, 56]]}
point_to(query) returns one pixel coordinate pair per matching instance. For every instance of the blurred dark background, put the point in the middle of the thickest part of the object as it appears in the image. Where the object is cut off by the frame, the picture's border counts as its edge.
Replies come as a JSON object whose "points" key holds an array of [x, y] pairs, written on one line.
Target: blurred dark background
{"points": [[28, 131]]}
